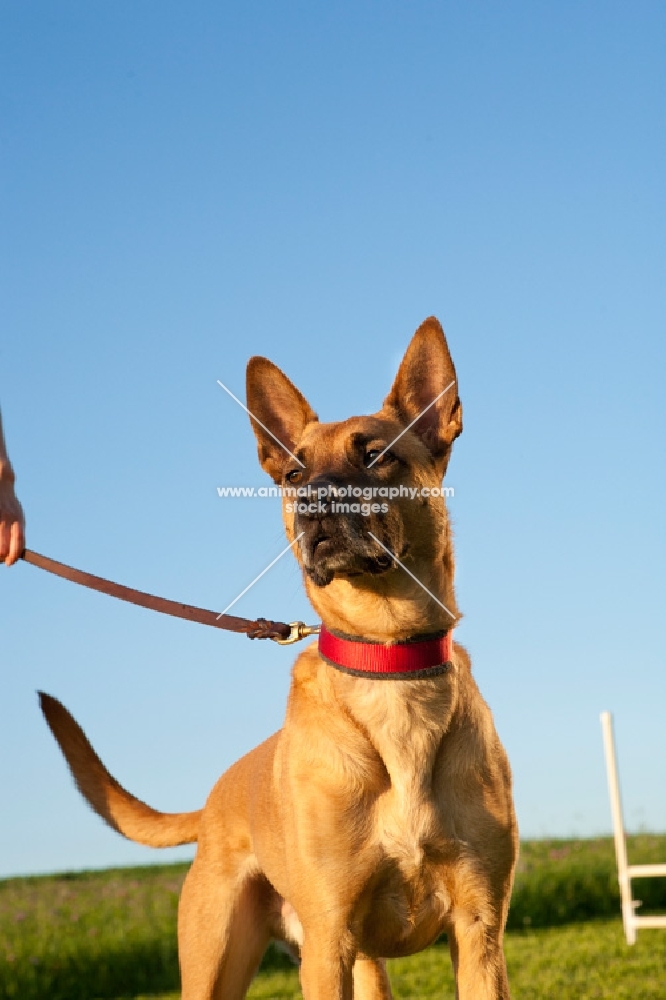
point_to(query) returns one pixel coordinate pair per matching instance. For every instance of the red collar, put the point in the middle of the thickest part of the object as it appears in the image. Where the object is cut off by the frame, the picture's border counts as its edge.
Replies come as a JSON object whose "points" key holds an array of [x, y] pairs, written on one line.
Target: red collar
{"points": [[403, 660]]}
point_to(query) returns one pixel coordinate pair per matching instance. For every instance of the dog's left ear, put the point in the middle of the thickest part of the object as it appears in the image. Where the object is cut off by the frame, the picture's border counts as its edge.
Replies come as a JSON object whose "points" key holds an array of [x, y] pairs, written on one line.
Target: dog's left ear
{"points": [[426, 384], [279, 414]]}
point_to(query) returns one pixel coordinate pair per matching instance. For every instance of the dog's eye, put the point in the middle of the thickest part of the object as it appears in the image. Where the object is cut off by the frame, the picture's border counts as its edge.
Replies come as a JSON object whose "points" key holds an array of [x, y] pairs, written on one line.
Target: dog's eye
{"points": [[372, 457], [294, 476]]}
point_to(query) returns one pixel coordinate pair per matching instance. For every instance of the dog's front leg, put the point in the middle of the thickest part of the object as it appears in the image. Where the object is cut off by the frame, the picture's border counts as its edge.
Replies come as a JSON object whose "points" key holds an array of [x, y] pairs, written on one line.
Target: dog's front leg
{"points": [[326, 966], [371, 981], [478, 961], [330, 973]]}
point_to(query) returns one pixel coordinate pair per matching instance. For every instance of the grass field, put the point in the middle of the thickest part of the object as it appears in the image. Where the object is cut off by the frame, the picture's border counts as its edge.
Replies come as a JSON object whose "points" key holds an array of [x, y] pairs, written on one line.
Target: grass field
{"points": [[107, 935], [576, 962], [587, 961]]}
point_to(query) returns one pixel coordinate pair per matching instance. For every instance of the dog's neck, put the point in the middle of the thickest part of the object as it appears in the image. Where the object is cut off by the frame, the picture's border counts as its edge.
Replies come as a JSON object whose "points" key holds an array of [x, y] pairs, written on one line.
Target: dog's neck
{"points": [[389, 608]]}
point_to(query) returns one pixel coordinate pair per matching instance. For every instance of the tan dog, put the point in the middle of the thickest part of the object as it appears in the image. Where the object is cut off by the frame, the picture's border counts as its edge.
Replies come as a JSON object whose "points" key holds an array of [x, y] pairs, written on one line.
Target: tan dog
{"points": [[380, 816]]}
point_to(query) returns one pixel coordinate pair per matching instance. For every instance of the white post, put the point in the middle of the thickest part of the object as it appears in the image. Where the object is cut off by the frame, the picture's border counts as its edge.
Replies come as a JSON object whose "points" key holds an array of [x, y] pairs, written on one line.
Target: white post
{"points": [[628, 915]]}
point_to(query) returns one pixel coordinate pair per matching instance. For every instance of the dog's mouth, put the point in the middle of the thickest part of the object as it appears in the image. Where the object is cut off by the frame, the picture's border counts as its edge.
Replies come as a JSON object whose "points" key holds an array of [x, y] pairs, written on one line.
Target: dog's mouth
{"points": [[342, 548], [322, 545]]}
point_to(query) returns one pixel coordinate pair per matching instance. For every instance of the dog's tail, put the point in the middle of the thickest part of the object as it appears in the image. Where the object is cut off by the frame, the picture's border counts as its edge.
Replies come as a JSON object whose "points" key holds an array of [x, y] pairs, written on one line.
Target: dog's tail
{"points": [[121, 810]]}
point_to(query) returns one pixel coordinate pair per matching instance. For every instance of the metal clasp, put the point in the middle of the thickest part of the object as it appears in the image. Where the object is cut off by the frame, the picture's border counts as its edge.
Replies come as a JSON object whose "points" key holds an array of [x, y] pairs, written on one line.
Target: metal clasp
{"points": [[299, 630]]}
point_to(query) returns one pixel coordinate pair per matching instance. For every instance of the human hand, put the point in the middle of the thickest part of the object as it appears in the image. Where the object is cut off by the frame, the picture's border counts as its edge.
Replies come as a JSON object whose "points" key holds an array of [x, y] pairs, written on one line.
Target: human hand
{"points": [[12, 521]]}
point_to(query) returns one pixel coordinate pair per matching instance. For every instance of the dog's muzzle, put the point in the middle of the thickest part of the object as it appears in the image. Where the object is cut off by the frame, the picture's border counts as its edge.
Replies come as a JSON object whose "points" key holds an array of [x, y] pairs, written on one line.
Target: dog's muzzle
{"points": [[336, 540]]}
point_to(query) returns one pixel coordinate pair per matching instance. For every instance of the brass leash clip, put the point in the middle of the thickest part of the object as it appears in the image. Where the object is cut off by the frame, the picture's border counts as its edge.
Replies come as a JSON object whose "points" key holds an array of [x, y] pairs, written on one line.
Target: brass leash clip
{"points": [[299, 630]]}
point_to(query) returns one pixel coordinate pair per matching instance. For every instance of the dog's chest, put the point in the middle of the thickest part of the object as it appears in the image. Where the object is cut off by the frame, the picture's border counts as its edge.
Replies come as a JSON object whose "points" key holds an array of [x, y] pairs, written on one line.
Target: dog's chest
{"points": [[405, 724], [407, 832]]}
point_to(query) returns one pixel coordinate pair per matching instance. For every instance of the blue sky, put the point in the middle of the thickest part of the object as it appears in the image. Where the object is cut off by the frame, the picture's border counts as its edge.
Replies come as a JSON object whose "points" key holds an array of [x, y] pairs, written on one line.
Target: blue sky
{"points": [[184, 186]]}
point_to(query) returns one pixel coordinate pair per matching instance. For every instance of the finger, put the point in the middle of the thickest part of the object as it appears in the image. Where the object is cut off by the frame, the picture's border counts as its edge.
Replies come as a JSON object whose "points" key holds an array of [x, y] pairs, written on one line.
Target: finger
{"points": [[16, 543], [4, 539]]}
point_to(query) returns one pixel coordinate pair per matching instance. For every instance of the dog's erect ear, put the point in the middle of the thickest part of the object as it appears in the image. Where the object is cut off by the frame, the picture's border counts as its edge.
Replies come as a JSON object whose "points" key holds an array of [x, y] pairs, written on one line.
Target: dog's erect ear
{"points": [[278, 413], [427, 374]]}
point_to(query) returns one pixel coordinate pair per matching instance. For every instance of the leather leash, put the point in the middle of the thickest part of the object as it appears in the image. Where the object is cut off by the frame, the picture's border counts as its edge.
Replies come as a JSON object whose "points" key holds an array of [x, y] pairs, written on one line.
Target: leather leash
{"points": [[260, 628]]}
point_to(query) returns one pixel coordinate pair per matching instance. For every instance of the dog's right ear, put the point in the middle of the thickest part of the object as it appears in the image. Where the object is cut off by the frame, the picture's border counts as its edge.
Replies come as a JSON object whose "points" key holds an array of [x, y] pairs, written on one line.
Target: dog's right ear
{"points": [[278, 413]]}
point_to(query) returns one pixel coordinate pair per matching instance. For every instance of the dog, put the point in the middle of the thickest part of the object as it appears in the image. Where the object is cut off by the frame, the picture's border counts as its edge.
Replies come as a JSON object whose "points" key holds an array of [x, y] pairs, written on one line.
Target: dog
{"points": [[380, 816]]}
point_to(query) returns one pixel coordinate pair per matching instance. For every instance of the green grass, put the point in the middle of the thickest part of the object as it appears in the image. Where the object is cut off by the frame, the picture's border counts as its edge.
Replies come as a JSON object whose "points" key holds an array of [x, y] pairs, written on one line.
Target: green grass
{"points": [[105, 935], [587, 961], [63, 936], [562, 881]]}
